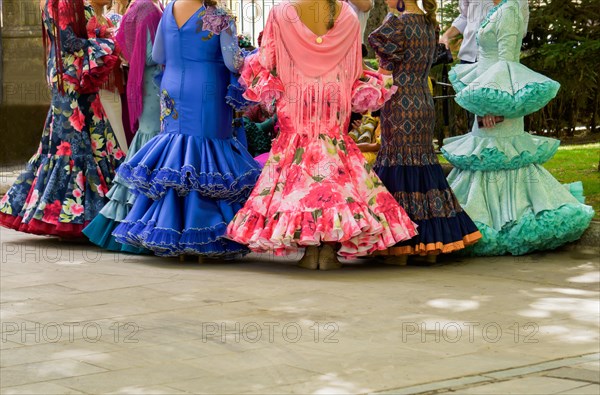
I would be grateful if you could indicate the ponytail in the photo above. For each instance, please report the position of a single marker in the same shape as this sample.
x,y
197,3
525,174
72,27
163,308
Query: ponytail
x,y
430,7
331,4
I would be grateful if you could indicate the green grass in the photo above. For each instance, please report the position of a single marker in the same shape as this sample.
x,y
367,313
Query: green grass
x,y
576,163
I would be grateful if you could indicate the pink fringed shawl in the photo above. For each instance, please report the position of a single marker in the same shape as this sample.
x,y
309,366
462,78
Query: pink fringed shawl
x,y
317,72
143,16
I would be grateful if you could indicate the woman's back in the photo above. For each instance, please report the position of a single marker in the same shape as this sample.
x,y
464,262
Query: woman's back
x,y
418,39
317,71
195,80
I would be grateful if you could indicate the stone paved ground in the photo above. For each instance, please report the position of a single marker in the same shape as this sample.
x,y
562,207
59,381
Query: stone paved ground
x,y
78,320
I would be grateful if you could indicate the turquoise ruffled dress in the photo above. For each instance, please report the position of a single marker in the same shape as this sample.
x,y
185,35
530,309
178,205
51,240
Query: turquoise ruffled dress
x,y
498,177
120,196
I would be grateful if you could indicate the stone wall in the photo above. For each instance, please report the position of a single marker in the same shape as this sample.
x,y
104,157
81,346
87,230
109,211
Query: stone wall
x,y
25,96
23,81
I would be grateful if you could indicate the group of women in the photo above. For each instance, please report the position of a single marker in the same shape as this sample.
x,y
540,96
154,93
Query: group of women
x,y
188,186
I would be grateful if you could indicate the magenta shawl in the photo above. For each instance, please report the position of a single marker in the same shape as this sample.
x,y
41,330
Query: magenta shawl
x,y
143,16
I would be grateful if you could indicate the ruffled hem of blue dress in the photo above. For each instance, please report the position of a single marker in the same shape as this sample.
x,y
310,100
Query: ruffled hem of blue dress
x,y
546,230
506,88
473,152
207,242
217,168
99,232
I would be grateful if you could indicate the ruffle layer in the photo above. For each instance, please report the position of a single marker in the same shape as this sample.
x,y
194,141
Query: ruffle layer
x,y
139,140
234,96
99,232
414,179
357,229
476,152
217,168
260,84
120,201
546,230
370,92
93,65
38,227
506,88
63,193
438,236
164,227
424,193
501,199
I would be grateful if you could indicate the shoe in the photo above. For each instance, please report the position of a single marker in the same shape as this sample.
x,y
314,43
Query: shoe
x,y
397,260
424,260
328,259
310,260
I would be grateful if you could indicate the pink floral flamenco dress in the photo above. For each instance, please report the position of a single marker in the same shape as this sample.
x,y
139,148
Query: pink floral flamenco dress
x,y
316,186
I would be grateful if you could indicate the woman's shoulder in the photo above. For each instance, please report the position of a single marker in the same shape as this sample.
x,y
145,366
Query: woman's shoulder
x,y
506,7
347,11
169,7
393,20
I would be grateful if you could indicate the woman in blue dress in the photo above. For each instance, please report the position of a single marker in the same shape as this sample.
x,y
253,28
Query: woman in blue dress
x,y
136,36
498,177
195,175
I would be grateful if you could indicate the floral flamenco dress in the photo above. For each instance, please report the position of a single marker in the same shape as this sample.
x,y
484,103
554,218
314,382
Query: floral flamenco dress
x,y
136,37
498,177
316,186
65,182
192,177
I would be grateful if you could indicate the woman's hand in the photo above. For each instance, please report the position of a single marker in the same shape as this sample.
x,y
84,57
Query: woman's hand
x,y
489,121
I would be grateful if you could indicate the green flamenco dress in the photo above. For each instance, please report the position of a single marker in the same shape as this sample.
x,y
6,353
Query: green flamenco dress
x,y
498,177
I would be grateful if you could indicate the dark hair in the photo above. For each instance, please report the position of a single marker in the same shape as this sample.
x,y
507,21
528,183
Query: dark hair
x,y
210,3
331,4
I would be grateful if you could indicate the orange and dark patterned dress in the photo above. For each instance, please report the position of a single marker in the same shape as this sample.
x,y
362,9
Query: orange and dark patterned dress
x,y
407,163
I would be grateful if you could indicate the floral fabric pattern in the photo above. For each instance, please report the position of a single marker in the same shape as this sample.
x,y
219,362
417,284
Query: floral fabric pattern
x,y
316,186
214,20
167,106
65,182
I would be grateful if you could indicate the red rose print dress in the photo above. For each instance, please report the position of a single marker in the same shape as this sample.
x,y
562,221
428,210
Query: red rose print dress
x,y
316,186
64,184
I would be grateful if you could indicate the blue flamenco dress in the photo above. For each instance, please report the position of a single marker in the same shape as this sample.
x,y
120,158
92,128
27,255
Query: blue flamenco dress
x,y
194,176
498,176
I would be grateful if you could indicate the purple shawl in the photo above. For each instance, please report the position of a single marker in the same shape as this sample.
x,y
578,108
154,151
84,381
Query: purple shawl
x,y
142,16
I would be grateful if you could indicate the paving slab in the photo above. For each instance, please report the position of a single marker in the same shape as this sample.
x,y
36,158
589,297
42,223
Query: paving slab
x,y
82,320
592,376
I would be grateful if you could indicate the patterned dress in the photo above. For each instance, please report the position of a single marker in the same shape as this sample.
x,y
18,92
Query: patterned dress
x,y
316,186
65,182
407,163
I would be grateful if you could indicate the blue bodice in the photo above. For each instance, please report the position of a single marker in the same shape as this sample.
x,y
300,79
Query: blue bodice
x,y
196,76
